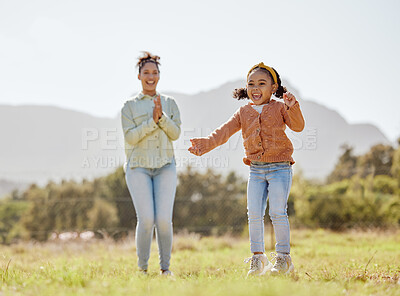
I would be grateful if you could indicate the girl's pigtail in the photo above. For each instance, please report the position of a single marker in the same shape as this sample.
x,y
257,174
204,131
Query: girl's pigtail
x,y
240,93
281,89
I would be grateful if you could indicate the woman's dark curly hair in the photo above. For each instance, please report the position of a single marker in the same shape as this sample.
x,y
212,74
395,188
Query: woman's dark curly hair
x,y
241,93
147,58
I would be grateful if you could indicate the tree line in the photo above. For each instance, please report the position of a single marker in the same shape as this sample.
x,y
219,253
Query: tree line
x,y
361,191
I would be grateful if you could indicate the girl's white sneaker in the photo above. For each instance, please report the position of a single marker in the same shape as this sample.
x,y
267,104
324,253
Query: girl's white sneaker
x,y
259,264
166,273
283,264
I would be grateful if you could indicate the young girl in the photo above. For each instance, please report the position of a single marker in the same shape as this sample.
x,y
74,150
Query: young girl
x,y
269,154
150,122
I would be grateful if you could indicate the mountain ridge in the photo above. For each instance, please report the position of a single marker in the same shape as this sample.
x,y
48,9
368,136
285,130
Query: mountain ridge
x,y
45,142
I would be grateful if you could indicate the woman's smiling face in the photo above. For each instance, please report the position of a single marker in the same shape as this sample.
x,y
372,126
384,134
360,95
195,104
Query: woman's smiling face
x,y
260,87
149,76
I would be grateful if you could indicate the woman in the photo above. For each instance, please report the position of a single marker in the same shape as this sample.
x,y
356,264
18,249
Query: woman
x,y
150,122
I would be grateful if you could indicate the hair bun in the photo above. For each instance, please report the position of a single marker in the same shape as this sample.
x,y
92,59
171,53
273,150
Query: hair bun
x,y
147,57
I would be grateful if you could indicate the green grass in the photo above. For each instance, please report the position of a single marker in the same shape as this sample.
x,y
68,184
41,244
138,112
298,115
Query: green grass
x,y
351,263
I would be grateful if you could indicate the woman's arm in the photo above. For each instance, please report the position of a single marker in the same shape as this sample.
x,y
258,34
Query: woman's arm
x,y
218,137
133,133
171,126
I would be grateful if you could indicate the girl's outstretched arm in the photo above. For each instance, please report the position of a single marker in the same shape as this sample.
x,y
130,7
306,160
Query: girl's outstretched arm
x,y
218,137
199,146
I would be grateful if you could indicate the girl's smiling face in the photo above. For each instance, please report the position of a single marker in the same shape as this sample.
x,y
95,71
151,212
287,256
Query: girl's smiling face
x,y
149,76
260,87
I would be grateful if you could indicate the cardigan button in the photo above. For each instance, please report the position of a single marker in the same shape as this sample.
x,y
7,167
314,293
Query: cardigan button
x,y
258,157
259,143
258,130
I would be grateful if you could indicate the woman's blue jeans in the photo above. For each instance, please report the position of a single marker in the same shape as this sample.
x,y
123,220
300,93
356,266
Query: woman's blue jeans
x,y
272,181
153,195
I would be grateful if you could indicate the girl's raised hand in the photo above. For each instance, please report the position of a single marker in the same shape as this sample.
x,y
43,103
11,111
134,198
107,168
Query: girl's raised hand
x,y
289,99
198,146
157,111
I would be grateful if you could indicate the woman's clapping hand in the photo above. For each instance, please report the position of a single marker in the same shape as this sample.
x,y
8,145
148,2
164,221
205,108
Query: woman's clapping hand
x,y
157,111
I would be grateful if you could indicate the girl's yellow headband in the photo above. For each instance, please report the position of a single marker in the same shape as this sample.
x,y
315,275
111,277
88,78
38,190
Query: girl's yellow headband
x,y
270,70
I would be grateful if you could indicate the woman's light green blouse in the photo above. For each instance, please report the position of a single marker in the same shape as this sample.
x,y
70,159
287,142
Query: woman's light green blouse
x,y
148,144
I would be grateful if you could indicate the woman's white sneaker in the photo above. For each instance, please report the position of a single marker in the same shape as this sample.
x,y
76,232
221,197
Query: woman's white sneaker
x,y
259,264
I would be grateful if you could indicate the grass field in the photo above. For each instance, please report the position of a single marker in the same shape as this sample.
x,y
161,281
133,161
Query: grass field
x,y
351,263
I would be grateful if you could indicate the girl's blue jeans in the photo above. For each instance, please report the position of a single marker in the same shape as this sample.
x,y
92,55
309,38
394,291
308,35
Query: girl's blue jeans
x,y
272,181
153,195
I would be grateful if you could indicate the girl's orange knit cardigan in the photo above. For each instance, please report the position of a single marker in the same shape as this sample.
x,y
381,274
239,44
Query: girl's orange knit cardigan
x,y
264,137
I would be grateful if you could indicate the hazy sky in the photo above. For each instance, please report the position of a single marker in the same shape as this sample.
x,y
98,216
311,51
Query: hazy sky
x,y
81,54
